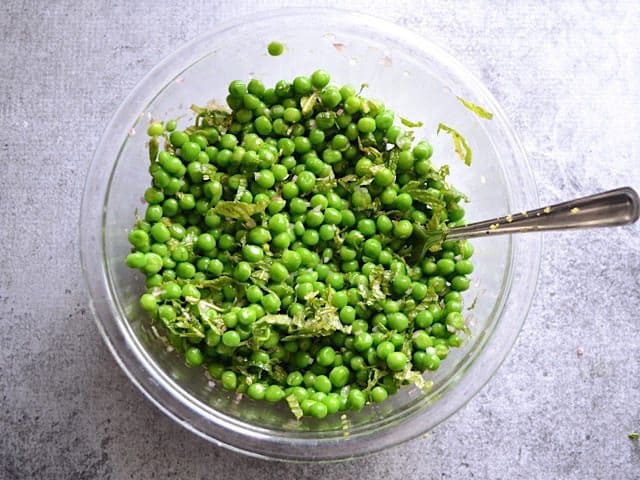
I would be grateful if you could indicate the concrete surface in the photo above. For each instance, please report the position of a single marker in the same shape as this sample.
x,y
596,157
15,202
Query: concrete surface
x,y
567,74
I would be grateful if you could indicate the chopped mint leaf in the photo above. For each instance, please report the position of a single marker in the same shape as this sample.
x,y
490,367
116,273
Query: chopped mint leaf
x,y
185,325
212,117
319,319
410,124
308,103
294,405
379,281
325,185
281,320
408,376
394,156
460,145
217,284
369,151
477,109
153,149
239,210
418,192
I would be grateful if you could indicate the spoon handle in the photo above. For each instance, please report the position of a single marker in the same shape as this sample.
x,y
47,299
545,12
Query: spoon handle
x,y
620,206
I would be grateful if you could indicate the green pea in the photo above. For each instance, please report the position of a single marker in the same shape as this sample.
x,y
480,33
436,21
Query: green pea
x,y
367,227
332,402
139,238
190,293
242,272
384,349
326,356
274,393
229,380
432,361
356,399
316,136
422,150
215,267
403,229
384,177
302,85
396,361
271,303
252,253
306,181
347,315
353,104
206,242
231,338
148,302
372,248
421,340
446,266
401,283
452,306
363,341
384,120
460,283
366,125
136,260
379,394
318,410
397,321
178,138
254,294
348,218
194,357
212,338
403,202
322,384
464,267
424,319
152,263
256,391
185,270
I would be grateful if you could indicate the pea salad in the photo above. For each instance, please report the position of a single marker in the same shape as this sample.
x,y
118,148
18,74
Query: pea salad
x,y
277,239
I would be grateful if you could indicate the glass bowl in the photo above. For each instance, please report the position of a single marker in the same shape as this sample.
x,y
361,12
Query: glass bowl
x,y
418,81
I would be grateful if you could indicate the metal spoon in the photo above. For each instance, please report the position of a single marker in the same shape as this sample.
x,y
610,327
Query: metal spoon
x,y
620,206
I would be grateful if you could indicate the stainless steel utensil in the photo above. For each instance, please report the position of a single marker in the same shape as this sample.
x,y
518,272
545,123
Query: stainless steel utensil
x,y
620,206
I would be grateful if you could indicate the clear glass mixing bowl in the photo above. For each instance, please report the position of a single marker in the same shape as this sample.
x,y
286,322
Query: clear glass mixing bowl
x,y
420,82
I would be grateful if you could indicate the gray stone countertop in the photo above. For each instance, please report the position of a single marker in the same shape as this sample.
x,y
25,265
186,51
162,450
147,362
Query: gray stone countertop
x,y
561,406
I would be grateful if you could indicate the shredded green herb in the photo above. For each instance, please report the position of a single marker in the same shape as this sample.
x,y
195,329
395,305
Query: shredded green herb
x,y
294,405
410,124
153,149
477,109
239,210
419,192
308,103
212,116
459,143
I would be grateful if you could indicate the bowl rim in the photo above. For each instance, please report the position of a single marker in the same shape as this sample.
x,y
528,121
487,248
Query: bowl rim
x,y
124,346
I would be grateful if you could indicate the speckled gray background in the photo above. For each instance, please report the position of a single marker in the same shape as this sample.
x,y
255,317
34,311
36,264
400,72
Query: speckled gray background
x,y
567,74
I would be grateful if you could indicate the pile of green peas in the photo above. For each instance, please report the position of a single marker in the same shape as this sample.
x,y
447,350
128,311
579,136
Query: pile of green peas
x,y
275,246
